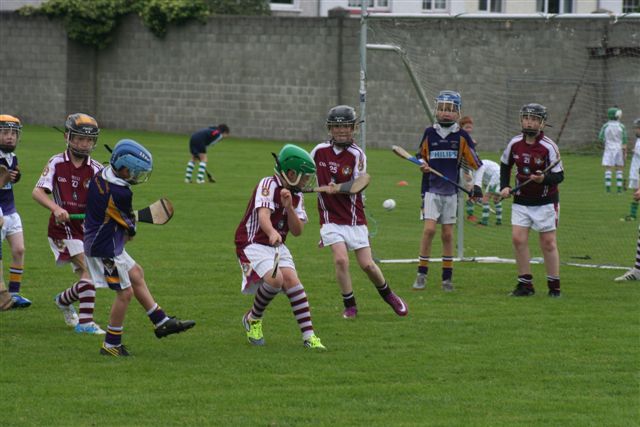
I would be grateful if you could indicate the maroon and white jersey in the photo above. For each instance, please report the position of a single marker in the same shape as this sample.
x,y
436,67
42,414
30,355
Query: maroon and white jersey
x,y
334,164
267,195
528,158
69,186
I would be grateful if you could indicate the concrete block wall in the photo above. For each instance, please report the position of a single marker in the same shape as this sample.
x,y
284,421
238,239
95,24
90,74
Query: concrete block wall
x,y
276,77
33,69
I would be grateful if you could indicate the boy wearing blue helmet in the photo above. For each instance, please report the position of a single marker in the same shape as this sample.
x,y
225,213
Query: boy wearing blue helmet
x,y
109,224
445,148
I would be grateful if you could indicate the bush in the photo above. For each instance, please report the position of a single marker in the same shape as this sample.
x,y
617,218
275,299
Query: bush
x,y
93,23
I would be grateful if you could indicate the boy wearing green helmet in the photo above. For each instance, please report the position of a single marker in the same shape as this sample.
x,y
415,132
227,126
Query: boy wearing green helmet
x,y
275,209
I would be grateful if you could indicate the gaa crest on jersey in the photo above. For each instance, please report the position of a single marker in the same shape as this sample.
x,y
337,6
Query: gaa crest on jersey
x,y
346,171
265,191
45,171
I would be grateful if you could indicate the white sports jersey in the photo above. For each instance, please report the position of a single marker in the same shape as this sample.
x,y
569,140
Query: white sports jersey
x,y
488,173
636,150
613,134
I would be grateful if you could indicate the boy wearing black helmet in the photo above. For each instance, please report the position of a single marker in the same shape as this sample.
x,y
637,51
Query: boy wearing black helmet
x,y
342,217
62,189
536,204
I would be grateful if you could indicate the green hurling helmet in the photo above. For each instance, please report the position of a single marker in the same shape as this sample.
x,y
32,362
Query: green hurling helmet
x,y
614,113
294,158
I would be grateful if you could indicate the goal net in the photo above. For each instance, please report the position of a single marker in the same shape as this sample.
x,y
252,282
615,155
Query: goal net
x,y
576,67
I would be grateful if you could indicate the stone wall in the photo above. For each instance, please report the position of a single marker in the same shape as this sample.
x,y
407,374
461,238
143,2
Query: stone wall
x,y
276,77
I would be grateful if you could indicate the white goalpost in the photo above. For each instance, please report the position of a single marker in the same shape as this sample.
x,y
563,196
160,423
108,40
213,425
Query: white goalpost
x,y
592,80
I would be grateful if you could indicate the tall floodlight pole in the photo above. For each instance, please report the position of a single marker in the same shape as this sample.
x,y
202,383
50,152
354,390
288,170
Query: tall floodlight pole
x,y
363,74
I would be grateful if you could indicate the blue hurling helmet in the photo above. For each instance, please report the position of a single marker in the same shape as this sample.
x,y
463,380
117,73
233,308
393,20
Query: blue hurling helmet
x,y
449,97
129,154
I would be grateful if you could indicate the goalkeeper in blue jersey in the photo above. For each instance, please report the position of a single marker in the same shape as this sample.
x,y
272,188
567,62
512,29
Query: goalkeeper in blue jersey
x,y
198,145
444,148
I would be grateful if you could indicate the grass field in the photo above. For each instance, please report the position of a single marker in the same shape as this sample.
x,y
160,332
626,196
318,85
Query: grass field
x,y
474,357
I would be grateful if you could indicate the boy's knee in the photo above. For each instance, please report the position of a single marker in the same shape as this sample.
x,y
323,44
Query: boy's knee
x,y
341,263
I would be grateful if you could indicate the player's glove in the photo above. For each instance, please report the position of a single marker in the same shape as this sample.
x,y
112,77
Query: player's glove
x,y
477,192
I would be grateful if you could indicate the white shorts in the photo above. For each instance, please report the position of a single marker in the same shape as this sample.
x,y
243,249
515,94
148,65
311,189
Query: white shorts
x,y
493,186
354,236
634,179
439,208
111,272
256,260
612,158
12,225
64,249
540,218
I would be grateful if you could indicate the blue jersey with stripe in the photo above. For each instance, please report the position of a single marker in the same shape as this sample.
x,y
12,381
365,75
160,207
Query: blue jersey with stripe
x,y
446,150
7,202
109,215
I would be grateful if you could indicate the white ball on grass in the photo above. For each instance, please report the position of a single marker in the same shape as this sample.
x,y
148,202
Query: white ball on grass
x,y
389,204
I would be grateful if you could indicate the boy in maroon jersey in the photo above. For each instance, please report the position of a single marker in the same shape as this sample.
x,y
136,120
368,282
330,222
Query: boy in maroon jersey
x,y
275,209
342,217
535,205
66,178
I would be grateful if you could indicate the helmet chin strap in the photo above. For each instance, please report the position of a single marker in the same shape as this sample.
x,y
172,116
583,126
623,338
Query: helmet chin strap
x,y
530,132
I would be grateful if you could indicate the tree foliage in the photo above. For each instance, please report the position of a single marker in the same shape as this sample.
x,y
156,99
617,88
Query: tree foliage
x,y
94,22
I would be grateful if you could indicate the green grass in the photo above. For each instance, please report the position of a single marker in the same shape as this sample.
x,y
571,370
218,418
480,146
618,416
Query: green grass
x,y
474,357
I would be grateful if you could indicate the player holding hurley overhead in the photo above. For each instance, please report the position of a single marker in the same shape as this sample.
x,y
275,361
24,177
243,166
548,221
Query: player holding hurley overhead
x,y
536,204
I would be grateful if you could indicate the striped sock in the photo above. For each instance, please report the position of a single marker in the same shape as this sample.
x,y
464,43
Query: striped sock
x,y
634,209
637,266
301,310
157,315
553,282
264,295
485,213
189,172
15,278
423,265
607,180
498,206
349,300
469,206
619,179
447,267
87,296
526,280
114,336
202,167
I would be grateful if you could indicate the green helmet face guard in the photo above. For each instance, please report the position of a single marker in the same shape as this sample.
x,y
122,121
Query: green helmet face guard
x,y
294,158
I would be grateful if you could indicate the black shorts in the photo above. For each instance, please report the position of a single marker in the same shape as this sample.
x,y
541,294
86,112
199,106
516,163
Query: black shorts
x,y
197,148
